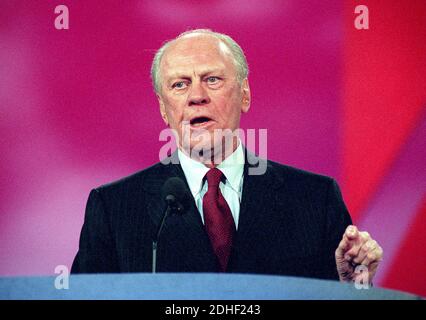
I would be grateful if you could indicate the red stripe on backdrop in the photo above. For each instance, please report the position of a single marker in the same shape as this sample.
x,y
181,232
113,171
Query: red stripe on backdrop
x,y
385,92
408,267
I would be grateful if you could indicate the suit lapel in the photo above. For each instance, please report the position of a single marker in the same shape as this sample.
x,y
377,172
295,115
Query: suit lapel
x,y
183,235
258,190
153,185
192,219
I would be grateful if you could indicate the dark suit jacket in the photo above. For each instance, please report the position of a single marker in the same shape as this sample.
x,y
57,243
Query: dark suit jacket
x,y
291,222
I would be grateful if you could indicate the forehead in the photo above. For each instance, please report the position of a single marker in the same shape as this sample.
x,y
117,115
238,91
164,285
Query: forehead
x,y
196,52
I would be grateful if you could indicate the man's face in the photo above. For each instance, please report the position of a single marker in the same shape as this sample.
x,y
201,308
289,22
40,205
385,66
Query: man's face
x,y
200,92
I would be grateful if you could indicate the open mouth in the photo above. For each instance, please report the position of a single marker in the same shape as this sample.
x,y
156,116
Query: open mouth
x,y
200,121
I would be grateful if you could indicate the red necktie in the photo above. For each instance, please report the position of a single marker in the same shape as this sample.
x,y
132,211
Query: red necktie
x,y
218,218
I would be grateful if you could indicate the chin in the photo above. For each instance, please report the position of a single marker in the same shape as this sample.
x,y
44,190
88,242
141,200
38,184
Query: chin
x,y
197,146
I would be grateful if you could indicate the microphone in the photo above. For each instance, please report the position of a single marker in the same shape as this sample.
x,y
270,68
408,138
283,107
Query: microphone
x,y
178,199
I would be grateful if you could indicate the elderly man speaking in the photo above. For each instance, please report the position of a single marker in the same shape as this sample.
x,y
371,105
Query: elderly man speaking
x,y
285,221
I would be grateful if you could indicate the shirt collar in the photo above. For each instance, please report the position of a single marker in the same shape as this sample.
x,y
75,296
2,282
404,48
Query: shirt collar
x,y
232,167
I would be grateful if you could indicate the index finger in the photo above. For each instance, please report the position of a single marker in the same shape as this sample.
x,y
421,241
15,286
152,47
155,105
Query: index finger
x,y
351,232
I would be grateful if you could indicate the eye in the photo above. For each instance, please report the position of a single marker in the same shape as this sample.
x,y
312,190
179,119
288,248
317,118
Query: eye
x,y
179,85
213,80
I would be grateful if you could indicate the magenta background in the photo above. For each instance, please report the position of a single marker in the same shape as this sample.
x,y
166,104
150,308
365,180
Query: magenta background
x,y
78,110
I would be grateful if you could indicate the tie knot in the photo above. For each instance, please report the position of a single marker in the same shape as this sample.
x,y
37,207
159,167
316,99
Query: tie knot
x,y
213,177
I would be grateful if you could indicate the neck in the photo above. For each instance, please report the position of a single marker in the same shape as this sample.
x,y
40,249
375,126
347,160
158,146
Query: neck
x,y
211,158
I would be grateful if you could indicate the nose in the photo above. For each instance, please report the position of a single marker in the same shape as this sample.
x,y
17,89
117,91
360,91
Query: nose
x,y
198,95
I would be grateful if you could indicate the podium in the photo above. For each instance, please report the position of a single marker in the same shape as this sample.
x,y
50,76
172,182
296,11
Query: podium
x,y
189,286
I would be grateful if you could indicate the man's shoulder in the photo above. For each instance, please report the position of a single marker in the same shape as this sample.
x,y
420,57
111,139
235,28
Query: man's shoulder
x,y
138,179
297,177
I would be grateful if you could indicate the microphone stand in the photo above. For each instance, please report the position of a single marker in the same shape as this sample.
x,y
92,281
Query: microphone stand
x,y
170,199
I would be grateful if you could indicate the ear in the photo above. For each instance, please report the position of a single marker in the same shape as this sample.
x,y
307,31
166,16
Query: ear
x,y
246,97
162,110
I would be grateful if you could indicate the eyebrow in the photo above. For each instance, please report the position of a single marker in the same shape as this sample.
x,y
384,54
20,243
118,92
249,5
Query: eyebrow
x,y
182,75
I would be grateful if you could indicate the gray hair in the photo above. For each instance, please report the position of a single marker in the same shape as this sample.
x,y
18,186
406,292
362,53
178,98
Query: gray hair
x,y
238,54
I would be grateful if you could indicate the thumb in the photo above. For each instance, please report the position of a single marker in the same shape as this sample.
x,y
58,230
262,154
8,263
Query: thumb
x,y
351,233
343,247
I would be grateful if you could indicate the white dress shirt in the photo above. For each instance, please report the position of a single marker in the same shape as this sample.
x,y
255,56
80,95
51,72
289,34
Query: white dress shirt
x,y
232,168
